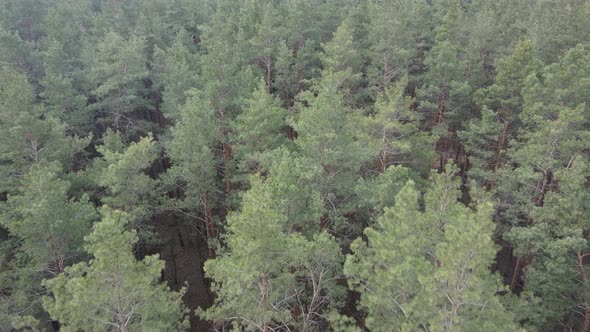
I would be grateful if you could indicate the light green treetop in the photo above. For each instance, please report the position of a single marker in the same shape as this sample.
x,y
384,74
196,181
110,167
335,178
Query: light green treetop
x,y
123,172
114,290
429,268
271,276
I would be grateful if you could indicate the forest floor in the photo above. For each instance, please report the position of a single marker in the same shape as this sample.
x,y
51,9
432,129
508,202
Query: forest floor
x,y
182,249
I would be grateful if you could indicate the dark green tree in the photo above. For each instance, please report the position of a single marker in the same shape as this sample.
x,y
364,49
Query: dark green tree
x,y
116,73
28,134
194,163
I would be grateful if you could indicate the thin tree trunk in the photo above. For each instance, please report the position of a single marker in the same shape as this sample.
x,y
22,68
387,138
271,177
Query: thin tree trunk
x,y
57,262
440,115
122,325
268,75
264,299
584,277
226,156
586,324
414,105
546,182
323,221
385,70
58,266
384,156
502,145
208,224
515,274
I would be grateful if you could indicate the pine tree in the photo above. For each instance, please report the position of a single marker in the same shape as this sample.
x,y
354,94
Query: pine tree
x,y
399,34
549,155
227,78
283,278
29,135
487,139
445,98
25,17
62,90
114,290
50,225
289,182
194,162
395,128
332,138
557,27
117,68
262,126
556,279
267,41
178,73
429,268
122,171
46,228
447,93
20,55
341,55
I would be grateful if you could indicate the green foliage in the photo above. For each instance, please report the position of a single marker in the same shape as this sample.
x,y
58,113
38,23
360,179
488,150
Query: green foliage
x,y
261,126
374,194
61,90
49,224
47,229
557,27
28,135
395,128
123,172
561,84
19,54
487,138
270,271
289,182
547,205
557,277
117,68
341,54
446,95
332,138
114,290
178,73
398,35
192,150
338,107
429,268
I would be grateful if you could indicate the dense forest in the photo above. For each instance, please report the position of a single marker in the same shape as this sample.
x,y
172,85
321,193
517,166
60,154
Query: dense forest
x,y
294,165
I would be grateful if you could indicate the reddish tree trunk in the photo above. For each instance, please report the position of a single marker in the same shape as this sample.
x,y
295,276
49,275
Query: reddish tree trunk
x,y
586,324
323,221
515,275
57,262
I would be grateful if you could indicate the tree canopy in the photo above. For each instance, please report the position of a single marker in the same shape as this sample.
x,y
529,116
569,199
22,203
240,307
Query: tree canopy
x,y
301,165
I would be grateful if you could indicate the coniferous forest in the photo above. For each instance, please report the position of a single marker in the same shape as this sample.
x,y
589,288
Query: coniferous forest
x,y
294,165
